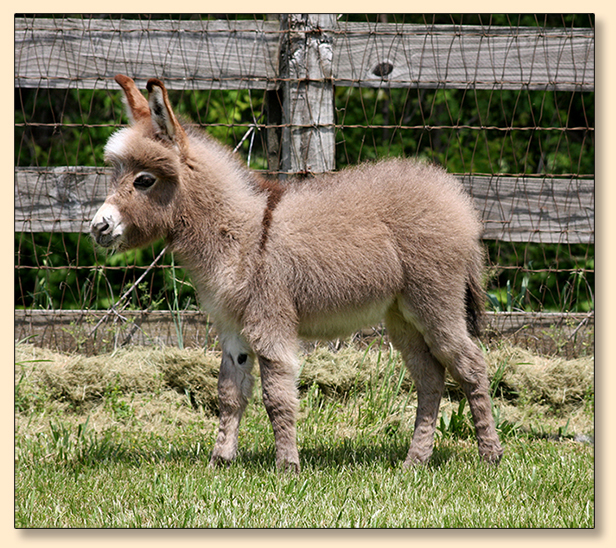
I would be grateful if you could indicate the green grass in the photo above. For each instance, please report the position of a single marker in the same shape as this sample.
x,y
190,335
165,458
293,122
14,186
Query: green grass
x,y
137,455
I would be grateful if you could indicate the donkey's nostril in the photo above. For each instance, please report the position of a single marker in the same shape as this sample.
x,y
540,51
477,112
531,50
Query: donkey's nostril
x,y
100,227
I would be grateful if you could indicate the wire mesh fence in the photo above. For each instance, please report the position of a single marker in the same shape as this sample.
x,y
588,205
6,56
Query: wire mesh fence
x,y
505,102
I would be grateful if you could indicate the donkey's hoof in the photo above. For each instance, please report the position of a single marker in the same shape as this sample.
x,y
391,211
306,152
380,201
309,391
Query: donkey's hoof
x,y
409,464
492,455
218,461
288,467
416,458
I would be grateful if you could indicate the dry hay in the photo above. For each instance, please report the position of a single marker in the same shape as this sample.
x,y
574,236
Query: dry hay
x,y
532,387
81,379
553,381
339,373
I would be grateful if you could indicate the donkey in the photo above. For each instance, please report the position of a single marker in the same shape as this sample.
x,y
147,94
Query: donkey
x,y
395,241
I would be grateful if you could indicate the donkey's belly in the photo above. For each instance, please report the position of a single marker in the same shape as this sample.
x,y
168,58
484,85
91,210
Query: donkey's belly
x,y
342,323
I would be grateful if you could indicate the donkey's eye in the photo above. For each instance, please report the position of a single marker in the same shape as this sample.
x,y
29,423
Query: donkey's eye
x,y
144,180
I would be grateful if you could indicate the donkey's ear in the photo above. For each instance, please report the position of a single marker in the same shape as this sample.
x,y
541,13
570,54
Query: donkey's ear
x,y
137,106
163,119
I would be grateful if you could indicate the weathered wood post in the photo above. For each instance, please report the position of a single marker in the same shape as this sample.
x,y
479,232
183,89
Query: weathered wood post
x,y
306,94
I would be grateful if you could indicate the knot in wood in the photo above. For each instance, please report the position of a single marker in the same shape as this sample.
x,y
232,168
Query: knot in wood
x,y
383,69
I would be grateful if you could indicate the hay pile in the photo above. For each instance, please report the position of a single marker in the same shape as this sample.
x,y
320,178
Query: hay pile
x,y
349,369
552,381
80,380
529,385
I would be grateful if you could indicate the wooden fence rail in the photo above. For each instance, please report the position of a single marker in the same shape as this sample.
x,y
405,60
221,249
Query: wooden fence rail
x,y
515,209
87,53
72,330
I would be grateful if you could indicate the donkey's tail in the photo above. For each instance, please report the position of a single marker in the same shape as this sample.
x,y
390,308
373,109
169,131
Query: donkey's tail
x,y
475,296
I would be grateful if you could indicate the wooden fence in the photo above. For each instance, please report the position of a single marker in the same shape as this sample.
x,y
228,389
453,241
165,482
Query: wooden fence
x,y
298,59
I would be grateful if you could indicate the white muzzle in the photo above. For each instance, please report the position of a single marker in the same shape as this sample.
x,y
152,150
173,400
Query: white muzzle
x,y
106,227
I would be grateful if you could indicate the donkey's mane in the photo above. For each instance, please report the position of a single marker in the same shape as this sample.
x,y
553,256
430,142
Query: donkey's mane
x,y
252,180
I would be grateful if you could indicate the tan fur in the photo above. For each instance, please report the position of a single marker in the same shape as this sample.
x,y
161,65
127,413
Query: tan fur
x,y
319,258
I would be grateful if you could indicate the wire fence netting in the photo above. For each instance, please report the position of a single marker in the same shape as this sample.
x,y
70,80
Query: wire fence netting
x,y
505,102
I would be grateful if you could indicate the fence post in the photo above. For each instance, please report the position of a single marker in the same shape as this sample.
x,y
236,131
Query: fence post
x,y
307,94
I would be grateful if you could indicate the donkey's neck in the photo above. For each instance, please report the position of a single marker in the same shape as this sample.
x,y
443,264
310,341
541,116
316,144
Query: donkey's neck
x,y
219,219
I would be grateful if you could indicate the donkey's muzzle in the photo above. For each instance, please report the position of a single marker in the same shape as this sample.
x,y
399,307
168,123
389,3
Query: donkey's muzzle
x,y
106,227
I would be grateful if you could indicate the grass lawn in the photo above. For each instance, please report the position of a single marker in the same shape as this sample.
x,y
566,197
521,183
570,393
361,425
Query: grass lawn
x,y
130,455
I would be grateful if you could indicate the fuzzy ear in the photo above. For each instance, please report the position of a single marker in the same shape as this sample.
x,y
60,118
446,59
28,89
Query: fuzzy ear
x,y
137,106
163,119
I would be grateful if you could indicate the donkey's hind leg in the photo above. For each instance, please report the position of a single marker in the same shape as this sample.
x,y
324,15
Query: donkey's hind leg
x,y
464,360
429,378
235,384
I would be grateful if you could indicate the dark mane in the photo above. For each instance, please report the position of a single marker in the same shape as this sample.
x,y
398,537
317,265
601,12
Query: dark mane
x,y
274,192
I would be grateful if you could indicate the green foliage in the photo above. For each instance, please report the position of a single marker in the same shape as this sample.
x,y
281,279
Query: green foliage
x,y
456,426
52,278
548,277
28,397
513,302
382,401
583,20
116,404
468,131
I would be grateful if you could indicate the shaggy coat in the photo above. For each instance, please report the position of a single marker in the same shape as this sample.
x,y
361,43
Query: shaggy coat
x,y
397,240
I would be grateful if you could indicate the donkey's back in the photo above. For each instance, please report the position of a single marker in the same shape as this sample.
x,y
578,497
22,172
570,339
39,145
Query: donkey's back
x,y
351,244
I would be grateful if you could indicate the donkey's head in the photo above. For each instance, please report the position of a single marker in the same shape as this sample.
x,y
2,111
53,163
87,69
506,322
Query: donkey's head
x,y
148,158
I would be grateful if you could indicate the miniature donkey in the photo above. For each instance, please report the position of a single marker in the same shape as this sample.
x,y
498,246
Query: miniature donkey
x,y
395,240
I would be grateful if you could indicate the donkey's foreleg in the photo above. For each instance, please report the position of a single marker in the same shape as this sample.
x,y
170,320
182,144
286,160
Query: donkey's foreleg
x,y
278,378
235,384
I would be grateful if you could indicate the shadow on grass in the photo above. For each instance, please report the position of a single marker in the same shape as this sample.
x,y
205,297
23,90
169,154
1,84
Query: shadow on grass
x,y
93,451
348,453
